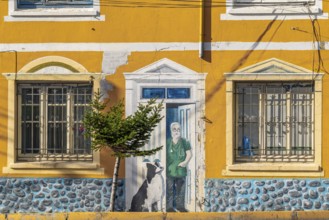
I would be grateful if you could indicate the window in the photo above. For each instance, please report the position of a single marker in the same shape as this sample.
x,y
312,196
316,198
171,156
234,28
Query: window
x,y
54,10
45,104
52,3
49,118
178,93
272,9
274,122
169,93
148,93
270,4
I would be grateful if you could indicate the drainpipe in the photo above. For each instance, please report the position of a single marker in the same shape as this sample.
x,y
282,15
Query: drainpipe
x,y
201,28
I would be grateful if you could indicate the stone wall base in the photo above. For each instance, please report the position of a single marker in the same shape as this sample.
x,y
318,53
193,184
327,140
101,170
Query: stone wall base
x,y
50,195
236,195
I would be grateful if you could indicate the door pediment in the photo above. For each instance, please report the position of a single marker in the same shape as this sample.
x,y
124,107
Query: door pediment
x,y
164,70
165,65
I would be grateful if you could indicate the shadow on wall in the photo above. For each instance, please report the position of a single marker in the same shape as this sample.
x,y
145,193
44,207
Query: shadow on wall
x,y
244,58
207,29
111,95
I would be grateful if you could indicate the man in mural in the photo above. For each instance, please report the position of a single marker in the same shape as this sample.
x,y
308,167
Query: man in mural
x,y
178,156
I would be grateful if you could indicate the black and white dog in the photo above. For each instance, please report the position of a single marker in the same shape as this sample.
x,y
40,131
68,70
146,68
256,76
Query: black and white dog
x,y
150,194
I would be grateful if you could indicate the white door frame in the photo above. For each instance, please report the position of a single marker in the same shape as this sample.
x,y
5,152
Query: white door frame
x,y
188,124
175,75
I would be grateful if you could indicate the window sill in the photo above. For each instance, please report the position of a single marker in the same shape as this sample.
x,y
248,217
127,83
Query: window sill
x,y
54,168
273,169
273,13
55,14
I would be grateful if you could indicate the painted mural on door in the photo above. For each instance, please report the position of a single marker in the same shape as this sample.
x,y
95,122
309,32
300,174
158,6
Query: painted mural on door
x,y
180,156
166,181
170,190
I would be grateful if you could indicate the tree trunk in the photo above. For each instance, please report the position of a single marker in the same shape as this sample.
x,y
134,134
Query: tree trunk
x,y
114,183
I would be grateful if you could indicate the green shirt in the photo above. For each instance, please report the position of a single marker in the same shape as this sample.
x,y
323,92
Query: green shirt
x,y
176,153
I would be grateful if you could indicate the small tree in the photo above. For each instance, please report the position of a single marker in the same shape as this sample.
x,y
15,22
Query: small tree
x,y
125,136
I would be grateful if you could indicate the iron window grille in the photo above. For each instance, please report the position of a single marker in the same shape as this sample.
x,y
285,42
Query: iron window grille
x,y
274,122
50,122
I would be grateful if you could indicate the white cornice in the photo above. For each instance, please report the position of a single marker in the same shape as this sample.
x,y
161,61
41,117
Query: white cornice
x,y
162,46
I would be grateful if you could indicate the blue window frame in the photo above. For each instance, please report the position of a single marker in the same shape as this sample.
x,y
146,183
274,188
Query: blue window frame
x,y
169,93
149,93
178,93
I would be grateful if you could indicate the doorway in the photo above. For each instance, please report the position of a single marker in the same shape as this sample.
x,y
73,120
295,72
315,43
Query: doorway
x,y
179,187
183,93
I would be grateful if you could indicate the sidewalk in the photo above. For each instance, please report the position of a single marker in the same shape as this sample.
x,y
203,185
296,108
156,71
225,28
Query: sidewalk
x,y
294,215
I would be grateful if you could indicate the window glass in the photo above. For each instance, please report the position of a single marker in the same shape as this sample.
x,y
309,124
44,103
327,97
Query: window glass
x,y
30,124
29,2
275,2
274,121
51,122
148,93
82,96
178,93
51,3
169,93
248,120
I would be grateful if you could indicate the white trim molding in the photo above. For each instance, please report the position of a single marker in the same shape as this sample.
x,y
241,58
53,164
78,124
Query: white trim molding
x,y
162,46
41,65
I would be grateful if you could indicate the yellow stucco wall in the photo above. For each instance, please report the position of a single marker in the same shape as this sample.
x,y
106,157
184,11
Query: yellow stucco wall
x,y
166,21
221,62
161,21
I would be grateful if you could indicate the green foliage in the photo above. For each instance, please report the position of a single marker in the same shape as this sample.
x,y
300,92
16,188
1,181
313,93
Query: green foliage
x,y
124,135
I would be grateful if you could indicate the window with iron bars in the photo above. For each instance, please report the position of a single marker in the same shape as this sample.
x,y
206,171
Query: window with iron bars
x,y
274,122
50,122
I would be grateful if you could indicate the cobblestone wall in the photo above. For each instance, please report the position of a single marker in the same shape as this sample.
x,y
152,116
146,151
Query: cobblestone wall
x,y
58,195
266,195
